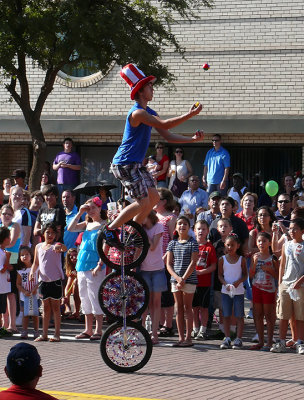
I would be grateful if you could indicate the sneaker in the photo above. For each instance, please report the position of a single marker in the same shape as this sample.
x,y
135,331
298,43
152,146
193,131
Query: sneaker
x,y
194,333
202,336
36,334
300,348
24,335
226,344
237,344
5,333
250,314
255,338
278,347
111,236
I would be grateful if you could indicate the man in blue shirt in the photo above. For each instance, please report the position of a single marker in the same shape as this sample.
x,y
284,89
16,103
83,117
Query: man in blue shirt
x,y
214,208
127,162
193,198
216,167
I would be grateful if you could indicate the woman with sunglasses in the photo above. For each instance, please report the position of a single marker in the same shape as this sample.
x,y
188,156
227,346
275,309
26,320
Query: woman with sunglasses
x,y
163,161
179,168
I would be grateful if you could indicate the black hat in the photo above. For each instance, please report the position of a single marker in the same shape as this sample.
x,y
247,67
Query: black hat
x,y
19,173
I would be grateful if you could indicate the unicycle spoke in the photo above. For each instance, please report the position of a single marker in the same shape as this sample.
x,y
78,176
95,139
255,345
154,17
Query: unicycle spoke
x,y
136,246
112,295
126,349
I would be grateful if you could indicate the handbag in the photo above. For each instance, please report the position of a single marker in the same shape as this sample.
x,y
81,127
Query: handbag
x,y
178,187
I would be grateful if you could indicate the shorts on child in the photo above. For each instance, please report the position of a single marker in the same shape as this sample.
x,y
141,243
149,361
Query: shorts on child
x,y
236,302
201,297
135,178
156,280
217,299
262,297
3,297
187,288
286,307
50,290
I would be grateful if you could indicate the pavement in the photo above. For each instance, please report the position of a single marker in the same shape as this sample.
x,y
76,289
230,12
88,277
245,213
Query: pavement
x,y
75,370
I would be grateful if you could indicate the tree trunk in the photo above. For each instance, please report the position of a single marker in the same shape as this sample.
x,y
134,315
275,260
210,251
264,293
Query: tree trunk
x,y
39,155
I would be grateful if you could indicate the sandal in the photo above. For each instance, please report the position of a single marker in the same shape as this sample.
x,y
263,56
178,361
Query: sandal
x,y
166,332
83,335
291,344
41,339
187,343
95,336
54,339
257,346
154,340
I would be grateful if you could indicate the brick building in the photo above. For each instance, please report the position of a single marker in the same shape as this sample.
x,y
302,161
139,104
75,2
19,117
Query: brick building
x,y
252,95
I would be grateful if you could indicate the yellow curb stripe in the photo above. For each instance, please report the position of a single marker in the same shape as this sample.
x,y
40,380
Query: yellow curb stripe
x,y
76,396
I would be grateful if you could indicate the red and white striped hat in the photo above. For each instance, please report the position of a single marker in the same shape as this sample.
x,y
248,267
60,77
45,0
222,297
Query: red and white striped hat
x,y
135,78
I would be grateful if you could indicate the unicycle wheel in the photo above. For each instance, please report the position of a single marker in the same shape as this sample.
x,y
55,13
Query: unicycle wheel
x,y
136,243
126,350
111,296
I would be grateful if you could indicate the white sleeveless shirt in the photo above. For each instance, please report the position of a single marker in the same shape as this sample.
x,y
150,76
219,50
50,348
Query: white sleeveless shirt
x,y
232,273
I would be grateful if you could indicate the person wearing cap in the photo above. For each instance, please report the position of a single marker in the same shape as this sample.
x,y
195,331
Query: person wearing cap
x,y
23,369
127,162
216,167
19,175
238,189
214,209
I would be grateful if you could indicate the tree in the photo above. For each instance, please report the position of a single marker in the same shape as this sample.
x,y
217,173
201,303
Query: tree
x,y
52,34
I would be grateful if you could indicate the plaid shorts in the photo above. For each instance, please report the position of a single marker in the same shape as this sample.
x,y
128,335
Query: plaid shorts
x,y
135,178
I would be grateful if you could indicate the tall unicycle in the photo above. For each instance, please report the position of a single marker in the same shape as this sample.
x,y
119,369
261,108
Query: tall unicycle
x,y
126,346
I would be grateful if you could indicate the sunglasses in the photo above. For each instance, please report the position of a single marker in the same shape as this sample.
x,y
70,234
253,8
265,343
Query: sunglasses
x,y
215,140
159,147
283,201
179,151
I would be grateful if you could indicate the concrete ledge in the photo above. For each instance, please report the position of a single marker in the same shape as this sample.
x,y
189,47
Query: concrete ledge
x,y
114,125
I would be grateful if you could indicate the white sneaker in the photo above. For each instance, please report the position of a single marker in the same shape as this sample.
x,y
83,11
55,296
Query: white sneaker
x,y
237,344
255,338
226,344
279,347
194,333
300,348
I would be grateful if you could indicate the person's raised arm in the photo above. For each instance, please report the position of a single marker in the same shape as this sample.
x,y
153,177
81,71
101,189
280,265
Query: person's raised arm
x,y
143,117
75,225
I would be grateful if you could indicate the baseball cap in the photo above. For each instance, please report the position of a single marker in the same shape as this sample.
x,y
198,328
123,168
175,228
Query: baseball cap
x,y
19,173
215,194
22,363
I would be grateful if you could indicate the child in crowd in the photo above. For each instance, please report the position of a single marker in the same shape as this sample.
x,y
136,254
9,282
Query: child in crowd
x,y
5,284
182,256
224,227
153,270
71,286
28,291
205,266
232,272
48,259
291,289
264,271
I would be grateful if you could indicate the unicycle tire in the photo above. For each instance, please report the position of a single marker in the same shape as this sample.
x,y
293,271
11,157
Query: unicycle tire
x,y
129,357
136,295
136,245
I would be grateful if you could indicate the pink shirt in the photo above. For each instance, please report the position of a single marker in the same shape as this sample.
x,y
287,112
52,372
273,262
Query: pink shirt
x,y
154,260
50,267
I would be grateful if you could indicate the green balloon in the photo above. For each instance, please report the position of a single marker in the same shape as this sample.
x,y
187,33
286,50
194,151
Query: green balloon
x,y
272,188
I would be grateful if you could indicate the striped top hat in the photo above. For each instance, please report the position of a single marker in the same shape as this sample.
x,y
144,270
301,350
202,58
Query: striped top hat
x,y
135,78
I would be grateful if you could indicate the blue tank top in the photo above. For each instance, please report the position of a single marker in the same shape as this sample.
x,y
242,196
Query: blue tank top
x,y
15,249
135,141
88,257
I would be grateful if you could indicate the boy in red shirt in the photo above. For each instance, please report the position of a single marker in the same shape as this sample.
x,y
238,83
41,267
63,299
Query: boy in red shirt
x,y
206,265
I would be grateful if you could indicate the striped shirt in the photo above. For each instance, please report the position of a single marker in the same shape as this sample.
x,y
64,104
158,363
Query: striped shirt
x,y
182,253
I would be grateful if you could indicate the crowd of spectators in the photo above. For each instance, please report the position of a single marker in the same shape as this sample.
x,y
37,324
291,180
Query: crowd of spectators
x,y
46,225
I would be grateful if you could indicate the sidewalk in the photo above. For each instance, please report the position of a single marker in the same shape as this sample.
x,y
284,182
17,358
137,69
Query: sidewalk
x,y
201,372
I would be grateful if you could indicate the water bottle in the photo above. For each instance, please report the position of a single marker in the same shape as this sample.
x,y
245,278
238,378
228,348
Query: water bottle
x,y
148,323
